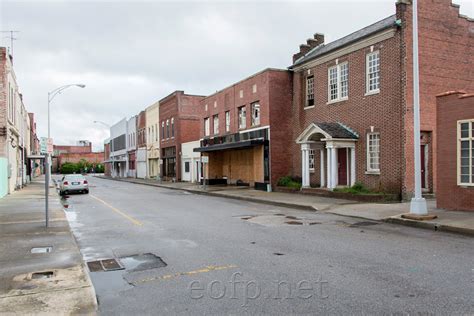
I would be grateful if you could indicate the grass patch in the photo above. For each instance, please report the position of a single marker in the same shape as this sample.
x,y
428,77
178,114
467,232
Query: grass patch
x,y
289,182
357,188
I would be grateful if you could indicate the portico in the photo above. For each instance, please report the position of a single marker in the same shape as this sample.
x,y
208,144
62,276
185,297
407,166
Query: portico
x,y
335,143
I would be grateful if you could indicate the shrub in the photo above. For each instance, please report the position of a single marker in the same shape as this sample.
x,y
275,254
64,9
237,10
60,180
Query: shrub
x,y
289,182
357,188
69,167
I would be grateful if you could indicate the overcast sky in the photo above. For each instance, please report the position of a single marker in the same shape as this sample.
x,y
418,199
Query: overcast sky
x,y
132,53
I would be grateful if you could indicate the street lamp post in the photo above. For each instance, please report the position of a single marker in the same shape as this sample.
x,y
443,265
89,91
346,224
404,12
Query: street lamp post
x,y
51,96
418,203
111,143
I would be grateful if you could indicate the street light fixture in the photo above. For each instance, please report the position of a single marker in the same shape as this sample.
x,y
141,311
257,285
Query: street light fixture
x,y
111,143
51,95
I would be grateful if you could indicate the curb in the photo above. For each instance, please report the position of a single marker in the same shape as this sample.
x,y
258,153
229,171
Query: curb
x,y
221,195
84,268
430,225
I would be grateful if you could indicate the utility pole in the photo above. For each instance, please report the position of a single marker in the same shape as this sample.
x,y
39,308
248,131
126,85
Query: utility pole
x,y
12,38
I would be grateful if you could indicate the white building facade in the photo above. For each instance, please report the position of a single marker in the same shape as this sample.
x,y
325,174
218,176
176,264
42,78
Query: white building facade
x,y
190,162
118,149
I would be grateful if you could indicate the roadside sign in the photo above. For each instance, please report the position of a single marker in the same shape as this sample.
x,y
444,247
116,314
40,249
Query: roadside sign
x,y
50,146
43,145
205,159
46,145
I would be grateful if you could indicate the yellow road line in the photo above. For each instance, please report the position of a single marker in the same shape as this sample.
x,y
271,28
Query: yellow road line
x,y
173,276
116,210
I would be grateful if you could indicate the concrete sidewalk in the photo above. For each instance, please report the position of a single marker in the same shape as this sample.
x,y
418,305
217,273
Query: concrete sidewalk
x,y
452,221
63,285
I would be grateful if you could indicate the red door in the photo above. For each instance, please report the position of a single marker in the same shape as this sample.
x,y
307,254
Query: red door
x,y
342,166
423,166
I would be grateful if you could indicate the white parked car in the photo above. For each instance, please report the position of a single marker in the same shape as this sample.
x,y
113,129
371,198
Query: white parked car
x,y
73,183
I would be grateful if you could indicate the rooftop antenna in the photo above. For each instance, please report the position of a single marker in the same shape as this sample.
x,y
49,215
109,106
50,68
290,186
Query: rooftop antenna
x,y
12,38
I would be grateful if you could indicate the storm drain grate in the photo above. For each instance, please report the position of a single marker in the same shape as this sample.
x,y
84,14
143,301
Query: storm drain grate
x,y
47,249
104,265
360,224
42,275
141,262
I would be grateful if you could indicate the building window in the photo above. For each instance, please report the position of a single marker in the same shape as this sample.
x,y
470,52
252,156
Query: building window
x,y
156,132
186,166
167,128
373,72
242,117
215,122
338,82
227,121
172,127
311,160
310,91
163,130
373,152
255,114
152,133
466,152
207,129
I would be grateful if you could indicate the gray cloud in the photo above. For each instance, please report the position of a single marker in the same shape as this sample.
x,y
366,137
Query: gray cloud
x,y
130,54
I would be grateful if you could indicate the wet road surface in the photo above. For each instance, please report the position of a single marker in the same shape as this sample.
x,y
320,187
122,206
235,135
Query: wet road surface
x,y
180,253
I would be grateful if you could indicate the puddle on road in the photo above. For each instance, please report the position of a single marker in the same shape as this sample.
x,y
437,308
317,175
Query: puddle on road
x,y
142,262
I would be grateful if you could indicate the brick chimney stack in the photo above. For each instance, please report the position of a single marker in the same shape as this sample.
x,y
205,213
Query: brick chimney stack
x,y
311,43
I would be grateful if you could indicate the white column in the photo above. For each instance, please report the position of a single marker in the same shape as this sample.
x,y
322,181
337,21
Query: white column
x,y
333,168
305,165
353,166
321,167
328,167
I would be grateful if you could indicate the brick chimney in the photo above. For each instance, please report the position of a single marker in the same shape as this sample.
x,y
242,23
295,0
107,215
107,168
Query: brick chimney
x,y
311,43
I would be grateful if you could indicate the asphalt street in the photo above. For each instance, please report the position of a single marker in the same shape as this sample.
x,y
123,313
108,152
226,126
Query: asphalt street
x,y
226,256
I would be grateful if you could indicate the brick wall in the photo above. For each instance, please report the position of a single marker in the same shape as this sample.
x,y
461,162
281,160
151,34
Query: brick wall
x,y
452,107
184,109
141,129
359,112
271,88
72,149
446,56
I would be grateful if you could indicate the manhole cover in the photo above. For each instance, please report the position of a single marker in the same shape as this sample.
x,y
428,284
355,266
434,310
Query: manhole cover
x,y
41,249
104,265
142,262
359,224
42,275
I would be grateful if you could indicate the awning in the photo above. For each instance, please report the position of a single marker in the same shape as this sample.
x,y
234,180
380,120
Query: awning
x,y
237,145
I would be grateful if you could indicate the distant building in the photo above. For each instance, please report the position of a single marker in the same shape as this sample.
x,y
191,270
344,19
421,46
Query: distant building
x,y
244,130
141,158
75,153
179,123
153,140
118,148
132,146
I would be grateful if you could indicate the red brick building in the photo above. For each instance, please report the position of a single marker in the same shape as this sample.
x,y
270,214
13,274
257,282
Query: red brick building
x,y
455,151
74,154
244,130
179,123
352,101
